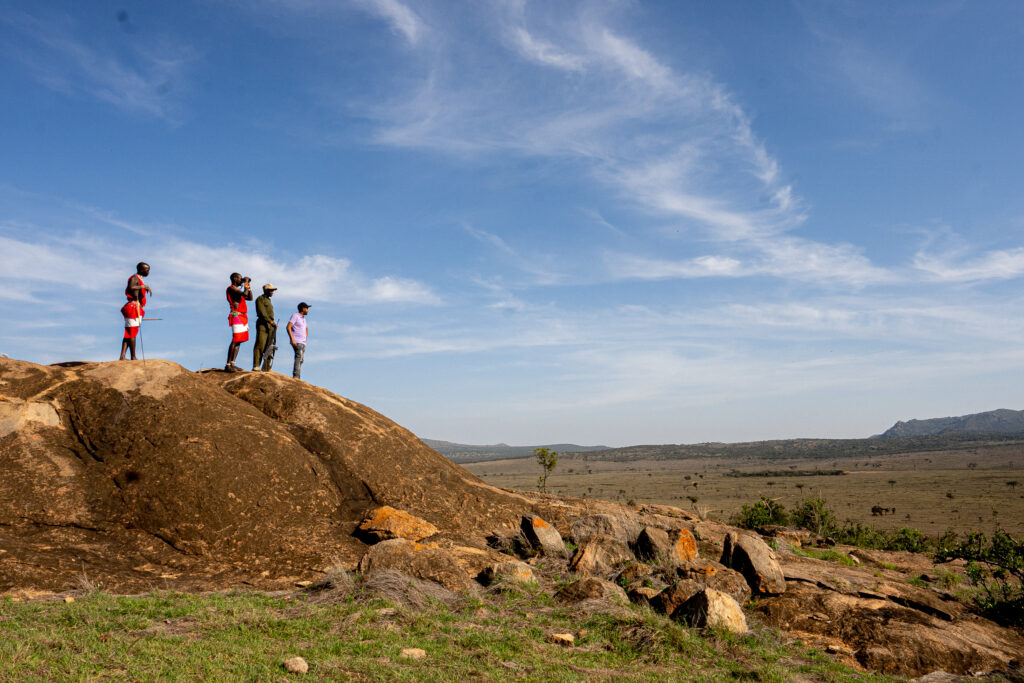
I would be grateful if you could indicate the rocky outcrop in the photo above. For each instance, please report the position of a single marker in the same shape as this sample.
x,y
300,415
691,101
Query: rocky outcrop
x,y
888,624
749,555
145,475
885,636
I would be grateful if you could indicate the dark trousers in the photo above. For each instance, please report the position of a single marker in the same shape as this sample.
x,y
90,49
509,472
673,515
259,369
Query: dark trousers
x,y
262,337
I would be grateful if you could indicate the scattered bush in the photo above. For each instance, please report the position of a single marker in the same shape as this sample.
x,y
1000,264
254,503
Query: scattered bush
x,y
764,512
815,515
996,566
908,539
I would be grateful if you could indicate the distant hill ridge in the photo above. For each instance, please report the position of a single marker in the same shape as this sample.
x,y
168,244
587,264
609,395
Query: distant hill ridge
x,y
463,453
1002,421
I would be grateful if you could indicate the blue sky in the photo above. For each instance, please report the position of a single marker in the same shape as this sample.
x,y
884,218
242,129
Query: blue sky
x,y
533,222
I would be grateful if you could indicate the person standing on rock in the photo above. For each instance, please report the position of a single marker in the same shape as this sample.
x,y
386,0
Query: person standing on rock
x,y
133,311
264,324
298,333
238,292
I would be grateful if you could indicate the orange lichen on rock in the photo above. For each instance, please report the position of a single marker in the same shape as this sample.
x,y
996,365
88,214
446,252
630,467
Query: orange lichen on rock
x,y
386,522
684,546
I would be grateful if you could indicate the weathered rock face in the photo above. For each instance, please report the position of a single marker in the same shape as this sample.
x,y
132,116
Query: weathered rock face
x,y
711,574
668,601
156,449
542,535
153,475
889,625
599,555
424,561
623,526
657,545
386,523
749,555
888,637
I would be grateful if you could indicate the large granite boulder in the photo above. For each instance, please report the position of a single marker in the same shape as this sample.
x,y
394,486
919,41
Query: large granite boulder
x,y
542,536
385,523
424,561
623,526
600,555
145,475
711,608
673,547
750,556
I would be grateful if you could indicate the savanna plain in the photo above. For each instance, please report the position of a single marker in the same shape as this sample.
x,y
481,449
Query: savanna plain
x,y
979,488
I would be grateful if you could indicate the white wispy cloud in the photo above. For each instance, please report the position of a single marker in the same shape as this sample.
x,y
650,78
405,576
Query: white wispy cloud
x,y
542,52
626,266
1000,264
634,62
780,256
149,78
669,143
86,261
399,16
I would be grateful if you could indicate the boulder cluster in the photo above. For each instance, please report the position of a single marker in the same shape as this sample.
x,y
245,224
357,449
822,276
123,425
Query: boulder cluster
x,y
613,559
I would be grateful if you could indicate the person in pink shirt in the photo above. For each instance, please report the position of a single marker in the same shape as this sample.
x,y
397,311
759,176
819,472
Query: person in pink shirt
x,y
298,333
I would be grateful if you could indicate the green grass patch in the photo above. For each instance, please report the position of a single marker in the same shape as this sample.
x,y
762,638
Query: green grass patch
x,y
826,555
247,636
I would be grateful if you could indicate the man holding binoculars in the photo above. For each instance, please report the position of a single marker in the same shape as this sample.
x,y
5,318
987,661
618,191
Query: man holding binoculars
x,y
238,292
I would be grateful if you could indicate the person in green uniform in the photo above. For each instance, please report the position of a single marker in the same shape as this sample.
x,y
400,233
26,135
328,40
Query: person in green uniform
x,y
264,324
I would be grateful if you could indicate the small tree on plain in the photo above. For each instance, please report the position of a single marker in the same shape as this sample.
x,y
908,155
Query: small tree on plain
x,y
547,459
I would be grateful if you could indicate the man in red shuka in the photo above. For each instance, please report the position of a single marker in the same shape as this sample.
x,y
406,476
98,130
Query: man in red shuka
x,y
238,292
133,311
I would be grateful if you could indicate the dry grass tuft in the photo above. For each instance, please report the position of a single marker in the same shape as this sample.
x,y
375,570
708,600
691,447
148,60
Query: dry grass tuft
x,y
406,590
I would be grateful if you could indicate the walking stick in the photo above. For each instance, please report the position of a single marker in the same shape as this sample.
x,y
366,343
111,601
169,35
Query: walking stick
x,y
142,347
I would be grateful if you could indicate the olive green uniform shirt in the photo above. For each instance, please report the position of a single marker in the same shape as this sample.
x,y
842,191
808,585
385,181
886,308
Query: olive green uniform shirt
x,y
264,310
